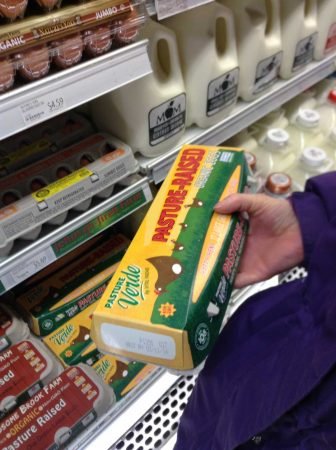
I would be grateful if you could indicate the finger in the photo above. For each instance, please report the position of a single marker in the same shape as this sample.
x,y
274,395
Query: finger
x,y
250,203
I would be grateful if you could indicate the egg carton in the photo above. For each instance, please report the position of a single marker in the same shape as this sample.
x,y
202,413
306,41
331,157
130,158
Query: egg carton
x,y
62,40
45,139
44,192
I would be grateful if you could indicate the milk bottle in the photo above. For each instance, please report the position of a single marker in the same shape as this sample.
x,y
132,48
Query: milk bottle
x,y
305,130
299,34
278,185
327,111
326,25
313,161
258,35
305,100
207,46
329,144
275,152
149,113
244,140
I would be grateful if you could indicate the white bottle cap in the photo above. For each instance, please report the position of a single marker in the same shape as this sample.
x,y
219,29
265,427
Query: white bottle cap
x,y
313,156
308,118
276,139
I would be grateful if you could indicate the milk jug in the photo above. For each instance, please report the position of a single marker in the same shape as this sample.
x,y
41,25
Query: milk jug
x,y
305,100
327,111
275,119
275,152
148,114
313,161
257,24
207,46
326,25
244,140
299,34
329,144
305,130
278,185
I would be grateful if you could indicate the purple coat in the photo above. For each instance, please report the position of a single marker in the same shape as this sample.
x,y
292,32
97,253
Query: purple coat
x,y
270,381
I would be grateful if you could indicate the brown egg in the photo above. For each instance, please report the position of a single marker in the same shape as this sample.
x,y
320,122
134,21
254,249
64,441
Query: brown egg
x,y
7,74
126,30
85,160
9,198
62,172
69,51
37,184
98,40
12,9
34,63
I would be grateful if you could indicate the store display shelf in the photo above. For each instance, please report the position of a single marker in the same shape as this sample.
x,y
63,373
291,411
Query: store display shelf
x,y
36,102
171,7
243,115
55,242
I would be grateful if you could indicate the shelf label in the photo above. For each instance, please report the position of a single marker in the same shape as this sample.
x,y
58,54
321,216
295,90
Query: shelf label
x,y
100,223
28,267
42,108
167,8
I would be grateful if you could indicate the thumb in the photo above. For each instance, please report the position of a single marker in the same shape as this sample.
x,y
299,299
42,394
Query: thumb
x,y
250,203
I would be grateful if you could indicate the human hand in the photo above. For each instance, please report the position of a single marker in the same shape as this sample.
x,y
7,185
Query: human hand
x,y
274,243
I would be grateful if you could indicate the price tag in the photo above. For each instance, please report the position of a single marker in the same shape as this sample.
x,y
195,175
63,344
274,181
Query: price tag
x,y
27,268
42,108
167,8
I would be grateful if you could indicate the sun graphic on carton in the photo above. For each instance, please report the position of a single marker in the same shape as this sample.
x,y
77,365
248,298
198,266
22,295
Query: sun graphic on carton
x,y
167,310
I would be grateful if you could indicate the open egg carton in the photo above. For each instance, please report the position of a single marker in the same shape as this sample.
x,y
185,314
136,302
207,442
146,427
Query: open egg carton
x,y
32,48
45,191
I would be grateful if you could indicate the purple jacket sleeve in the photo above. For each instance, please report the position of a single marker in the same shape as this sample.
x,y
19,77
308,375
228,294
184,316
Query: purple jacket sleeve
x,y
315,208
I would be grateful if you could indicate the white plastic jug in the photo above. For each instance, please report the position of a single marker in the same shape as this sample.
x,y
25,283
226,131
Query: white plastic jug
x,y
258,35
305,100
209,62
326,23
305,131
148,114
275,119
327,111
299,34
275,152
313,161
243,140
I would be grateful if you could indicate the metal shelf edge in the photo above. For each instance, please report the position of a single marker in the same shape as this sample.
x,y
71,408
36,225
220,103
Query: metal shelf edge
x,y
9,264
243,115
77,85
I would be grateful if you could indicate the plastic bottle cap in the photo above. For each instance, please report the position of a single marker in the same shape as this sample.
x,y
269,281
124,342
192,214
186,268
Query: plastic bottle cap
x,y
313,156
308,118
276,138
251,160
332,96
278,183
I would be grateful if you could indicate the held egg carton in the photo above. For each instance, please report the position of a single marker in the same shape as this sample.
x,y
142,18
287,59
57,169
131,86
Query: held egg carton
x,y
44,192
46,139
30,52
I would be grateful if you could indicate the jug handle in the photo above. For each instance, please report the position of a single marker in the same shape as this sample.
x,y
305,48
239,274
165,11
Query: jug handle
x,y
272,8
174,61
229,38
310,9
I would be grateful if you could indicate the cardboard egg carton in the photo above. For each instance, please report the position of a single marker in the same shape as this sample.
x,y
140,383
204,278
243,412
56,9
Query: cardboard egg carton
x,y
45,191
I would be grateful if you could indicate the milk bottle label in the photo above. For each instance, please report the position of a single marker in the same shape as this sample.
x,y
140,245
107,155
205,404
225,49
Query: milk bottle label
x,y
331,39
304,51
267,72
167,119
222,92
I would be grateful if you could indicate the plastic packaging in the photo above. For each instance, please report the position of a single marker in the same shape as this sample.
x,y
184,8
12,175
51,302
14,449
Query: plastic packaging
x,y
327,111
313,161
305,100
148,114
257,24
206,39
29,49
299,34
112,161
326,25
